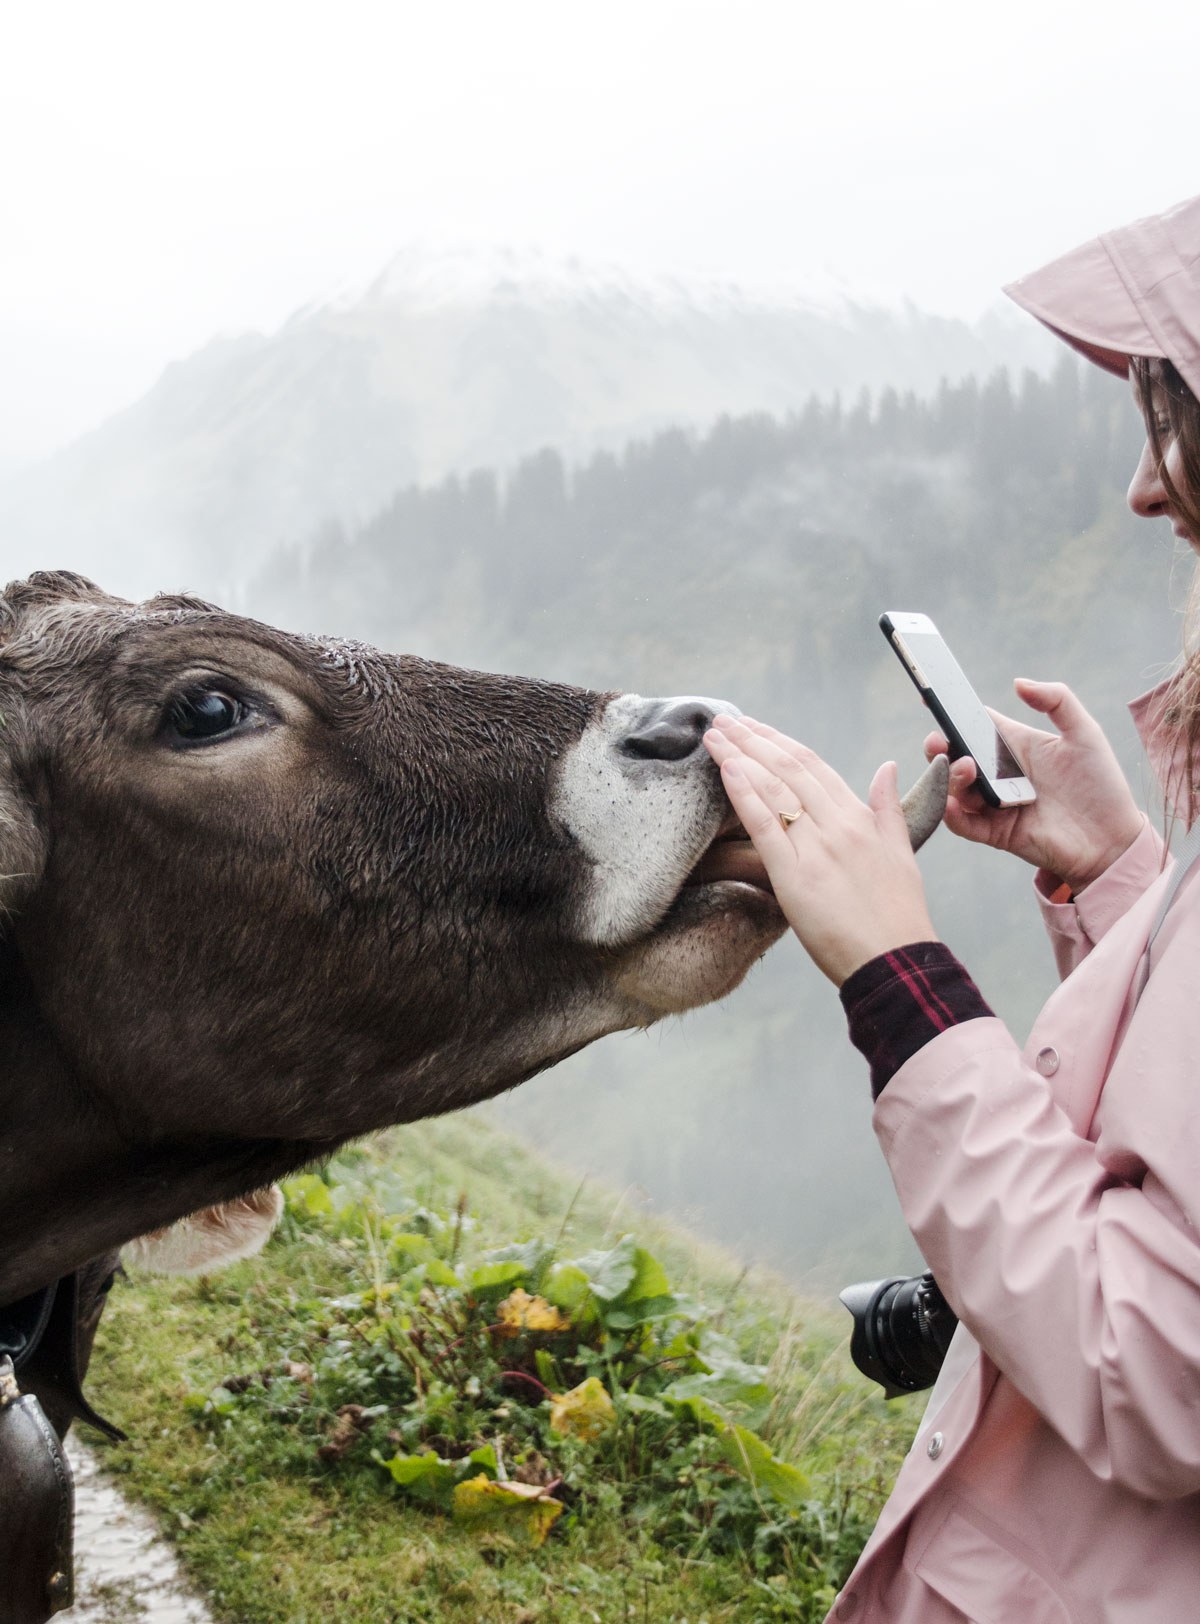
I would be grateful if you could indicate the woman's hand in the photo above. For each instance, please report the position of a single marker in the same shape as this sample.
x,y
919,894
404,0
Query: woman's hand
x,y
843,872
1085,815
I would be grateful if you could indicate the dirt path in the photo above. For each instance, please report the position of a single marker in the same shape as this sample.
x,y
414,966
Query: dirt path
x,y
125,1572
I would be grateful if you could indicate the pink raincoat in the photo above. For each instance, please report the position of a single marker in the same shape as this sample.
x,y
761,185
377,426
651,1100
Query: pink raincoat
x,y
1055,1192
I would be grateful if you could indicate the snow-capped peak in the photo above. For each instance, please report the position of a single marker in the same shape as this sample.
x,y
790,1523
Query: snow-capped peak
x,y
421,277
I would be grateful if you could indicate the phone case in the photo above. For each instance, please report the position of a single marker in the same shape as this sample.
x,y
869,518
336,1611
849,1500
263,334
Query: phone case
x,y
958,745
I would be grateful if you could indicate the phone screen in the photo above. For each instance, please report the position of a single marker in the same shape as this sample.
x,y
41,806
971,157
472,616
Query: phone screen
x,y
962,704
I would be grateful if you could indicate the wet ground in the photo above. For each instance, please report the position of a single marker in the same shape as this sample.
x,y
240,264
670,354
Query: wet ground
x,y
125,1572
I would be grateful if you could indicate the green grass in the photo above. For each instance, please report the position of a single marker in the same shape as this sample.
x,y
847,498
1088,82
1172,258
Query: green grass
x,y
658,1526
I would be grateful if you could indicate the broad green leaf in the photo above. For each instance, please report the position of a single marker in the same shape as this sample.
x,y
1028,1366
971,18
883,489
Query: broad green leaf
x,y
495,1280
534,1255
733,1383
428,1477
408,1249
624,1314
699,1409
610,1274
683,1344
441,1274
649,1279
646,1406
308,1194
748,1454
568,1287
509,1266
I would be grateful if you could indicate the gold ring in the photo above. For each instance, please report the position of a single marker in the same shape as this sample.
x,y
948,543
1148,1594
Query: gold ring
x,y
788,818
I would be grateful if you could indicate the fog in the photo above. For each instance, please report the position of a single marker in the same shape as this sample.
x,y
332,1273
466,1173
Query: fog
x,y
173,172
657,348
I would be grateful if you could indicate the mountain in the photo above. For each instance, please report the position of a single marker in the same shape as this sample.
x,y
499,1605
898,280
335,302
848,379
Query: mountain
x,y
446,363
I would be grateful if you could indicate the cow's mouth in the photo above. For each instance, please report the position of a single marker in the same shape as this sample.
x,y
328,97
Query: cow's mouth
x,y
723,918
730,857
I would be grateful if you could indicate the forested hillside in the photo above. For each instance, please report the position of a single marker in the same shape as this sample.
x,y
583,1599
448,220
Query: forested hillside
x,y
441,365
752,562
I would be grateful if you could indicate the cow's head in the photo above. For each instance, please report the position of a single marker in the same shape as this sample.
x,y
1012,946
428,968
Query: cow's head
x,y
266,889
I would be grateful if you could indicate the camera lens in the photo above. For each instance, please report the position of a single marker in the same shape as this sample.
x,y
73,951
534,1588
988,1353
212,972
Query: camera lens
x,y
902,1328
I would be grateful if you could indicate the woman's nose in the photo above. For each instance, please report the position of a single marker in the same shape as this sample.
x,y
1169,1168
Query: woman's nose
x,y
1147,495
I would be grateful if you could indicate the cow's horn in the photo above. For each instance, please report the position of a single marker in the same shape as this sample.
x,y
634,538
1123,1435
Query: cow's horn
x,y
925,803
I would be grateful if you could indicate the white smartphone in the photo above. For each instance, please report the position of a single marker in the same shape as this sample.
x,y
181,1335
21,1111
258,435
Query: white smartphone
x,y
957,708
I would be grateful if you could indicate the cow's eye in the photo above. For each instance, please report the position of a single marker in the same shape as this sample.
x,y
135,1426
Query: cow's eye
x,y
204,715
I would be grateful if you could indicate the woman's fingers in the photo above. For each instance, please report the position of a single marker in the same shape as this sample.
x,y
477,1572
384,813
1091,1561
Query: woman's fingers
x,y
791,783
797,767
746,784
962,772
830,781
1056,702
971,817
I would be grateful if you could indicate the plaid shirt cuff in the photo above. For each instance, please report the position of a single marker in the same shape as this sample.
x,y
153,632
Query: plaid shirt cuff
x,y
897,1002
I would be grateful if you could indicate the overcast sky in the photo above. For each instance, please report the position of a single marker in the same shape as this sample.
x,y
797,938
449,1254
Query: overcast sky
x,y
172,169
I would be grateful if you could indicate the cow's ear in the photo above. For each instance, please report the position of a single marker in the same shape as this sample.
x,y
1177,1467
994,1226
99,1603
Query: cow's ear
x,y
210,1239
22,848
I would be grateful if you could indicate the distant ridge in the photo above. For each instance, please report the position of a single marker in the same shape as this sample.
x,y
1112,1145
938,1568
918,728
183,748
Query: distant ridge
x,y
447,361
425,276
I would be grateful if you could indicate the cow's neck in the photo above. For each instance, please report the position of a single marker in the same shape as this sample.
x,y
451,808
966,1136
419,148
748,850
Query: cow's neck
x,y
72,1185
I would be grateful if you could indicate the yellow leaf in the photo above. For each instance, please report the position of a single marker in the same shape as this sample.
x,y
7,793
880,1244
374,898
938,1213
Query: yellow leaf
x,y
507,1506
585,1412
521,1312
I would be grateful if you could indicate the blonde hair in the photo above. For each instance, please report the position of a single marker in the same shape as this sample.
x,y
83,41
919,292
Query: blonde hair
x,y
1160,384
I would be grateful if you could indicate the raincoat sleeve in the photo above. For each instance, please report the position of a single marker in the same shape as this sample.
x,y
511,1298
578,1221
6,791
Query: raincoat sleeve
x,y
1075,927
1076,1265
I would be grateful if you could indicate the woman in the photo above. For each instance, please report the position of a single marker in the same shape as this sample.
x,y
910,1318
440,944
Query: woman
x,y
1054,1189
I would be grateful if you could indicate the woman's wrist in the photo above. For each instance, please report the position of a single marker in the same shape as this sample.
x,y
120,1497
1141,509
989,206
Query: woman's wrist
x,y
1079,878
848,964
889,932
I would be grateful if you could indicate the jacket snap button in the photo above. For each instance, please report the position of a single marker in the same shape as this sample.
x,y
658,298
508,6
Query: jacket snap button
x,y
936,1444
1047,1061
848,1605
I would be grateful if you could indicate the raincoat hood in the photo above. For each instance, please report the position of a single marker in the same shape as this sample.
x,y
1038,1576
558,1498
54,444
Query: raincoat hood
x,y
1132,291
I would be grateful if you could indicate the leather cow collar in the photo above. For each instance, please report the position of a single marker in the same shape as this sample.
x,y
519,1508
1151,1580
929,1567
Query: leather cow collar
x,y
42,1327
23,1324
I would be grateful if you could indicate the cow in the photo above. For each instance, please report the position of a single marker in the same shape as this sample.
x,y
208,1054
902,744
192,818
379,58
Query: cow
x,y
264,892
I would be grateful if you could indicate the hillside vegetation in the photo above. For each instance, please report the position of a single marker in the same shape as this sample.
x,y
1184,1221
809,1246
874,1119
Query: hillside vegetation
x,y
457,1388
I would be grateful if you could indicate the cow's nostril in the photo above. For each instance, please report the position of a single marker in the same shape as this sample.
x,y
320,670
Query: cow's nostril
x,y
671,729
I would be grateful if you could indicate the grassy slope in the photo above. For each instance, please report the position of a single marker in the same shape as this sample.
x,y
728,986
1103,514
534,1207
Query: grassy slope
x,y
275,1543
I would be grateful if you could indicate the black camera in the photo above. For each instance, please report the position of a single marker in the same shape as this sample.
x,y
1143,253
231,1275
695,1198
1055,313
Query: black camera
x,y
902,1328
